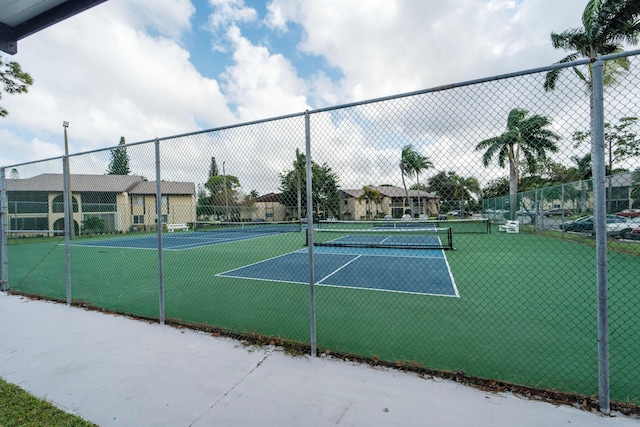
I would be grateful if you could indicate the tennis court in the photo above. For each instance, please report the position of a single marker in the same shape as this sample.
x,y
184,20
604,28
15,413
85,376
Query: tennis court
x,y
509,321
374,258
381,269
206,234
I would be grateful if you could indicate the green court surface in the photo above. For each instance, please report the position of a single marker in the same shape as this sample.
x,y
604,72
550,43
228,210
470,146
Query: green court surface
x,y
526,312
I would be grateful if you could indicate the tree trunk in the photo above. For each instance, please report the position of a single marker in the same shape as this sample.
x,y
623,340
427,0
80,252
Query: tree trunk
x,y
408,199
419,204
513,190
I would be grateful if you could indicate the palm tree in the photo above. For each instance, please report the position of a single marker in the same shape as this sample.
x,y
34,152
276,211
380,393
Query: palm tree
x,y
421,163
370,195
526,137
463,189
413,163
407,159
607,26
300,171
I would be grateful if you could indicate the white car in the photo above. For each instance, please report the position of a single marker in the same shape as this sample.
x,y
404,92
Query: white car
x,y
616,228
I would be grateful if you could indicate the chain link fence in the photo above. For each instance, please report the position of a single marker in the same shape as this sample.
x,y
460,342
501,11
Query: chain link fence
x,y
437,233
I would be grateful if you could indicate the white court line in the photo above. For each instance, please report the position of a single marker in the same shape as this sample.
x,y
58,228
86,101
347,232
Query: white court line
x,y
256,263
335,271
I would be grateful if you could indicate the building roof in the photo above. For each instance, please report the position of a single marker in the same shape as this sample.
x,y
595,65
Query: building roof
x,y
390,191
21,18
52,182
624,179
269,197
166,187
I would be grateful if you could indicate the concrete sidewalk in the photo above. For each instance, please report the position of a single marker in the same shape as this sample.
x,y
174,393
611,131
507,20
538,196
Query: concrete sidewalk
x,y
117,371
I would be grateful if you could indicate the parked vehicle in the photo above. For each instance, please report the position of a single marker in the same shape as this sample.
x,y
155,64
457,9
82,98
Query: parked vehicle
x,y
617,229
557,212
632,234
459,214
585,223
629,213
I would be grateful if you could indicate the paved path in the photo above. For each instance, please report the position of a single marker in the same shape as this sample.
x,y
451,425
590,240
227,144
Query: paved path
x,y
116,371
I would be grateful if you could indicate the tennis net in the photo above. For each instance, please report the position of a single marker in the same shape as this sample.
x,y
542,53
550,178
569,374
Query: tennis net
x,y
249,227
403,238
458,226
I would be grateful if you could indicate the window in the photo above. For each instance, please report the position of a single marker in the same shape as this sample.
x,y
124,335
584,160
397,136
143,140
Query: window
x,y
164,200
138,219
99,202
57,204
29,224
164,218
137,200
27,202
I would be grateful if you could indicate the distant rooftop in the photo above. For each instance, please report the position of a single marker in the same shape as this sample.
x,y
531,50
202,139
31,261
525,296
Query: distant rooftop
x,y
132,184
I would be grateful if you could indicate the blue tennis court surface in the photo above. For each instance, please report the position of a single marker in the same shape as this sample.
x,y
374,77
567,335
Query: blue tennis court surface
x,y
174,241
413,271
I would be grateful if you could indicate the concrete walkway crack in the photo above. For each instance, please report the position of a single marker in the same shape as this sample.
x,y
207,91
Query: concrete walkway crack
x,y
253,368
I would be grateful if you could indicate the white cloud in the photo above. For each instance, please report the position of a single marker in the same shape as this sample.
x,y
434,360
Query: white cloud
x,y
385,47
105,74
226,11
261,84
122,69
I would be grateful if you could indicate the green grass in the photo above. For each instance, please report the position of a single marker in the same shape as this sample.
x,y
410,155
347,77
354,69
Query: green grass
x,y
527,312
19,408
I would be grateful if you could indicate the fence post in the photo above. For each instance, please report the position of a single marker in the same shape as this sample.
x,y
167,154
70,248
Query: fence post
x,y
68,224
562,207
312,297
600,229
159,230
4,262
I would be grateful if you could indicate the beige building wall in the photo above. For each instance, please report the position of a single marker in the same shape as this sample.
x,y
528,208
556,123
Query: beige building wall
x,y
123,219
269,211
179,209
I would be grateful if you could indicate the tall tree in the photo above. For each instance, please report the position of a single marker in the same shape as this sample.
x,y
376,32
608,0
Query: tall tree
x,y
606,26
496,188
413,163
13,80
406,169
621,143
119,164
370,195
584,172
464,188
213,168
526,138
223,199
420,164
444,186
634,190
325,189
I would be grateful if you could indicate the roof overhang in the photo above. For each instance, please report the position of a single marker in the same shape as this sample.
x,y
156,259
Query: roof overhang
x,y
21,18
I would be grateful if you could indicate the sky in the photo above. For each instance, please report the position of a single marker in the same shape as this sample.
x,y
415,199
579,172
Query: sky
x,y
152,68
